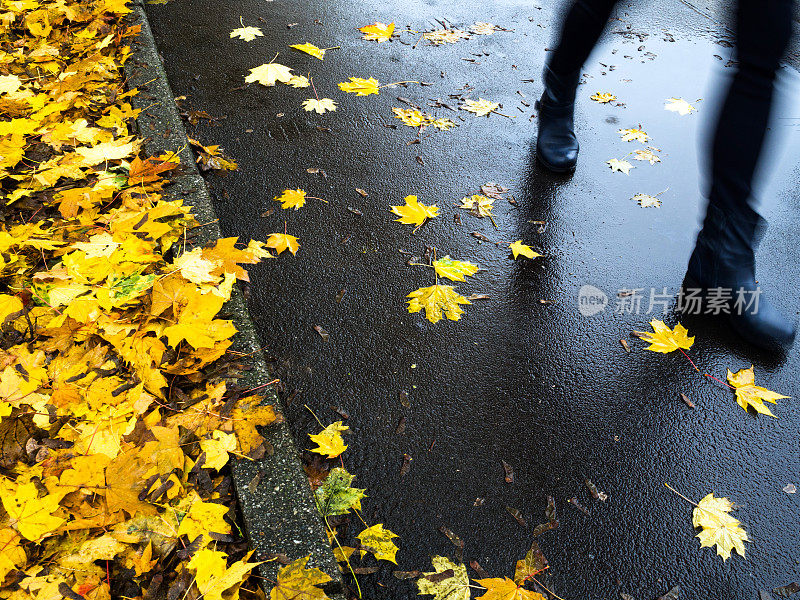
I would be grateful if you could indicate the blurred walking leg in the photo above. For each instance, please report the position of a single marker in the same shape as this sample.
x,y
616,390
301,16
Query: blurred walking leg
x,y
725,252
556,144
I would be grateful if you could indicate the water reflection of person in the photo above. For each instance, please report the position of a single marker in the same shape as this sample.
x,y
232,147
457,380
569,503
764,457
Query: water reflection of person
x,y
724,255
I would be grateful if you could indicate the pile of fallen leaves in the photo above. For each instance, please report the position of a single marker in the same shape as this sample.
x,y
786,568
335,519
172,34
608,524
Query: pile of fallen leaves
x,y
118,399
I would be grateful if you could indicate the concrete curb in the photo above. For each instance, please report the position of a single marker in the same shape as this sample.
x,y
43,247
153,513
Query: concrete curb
x,y
277,507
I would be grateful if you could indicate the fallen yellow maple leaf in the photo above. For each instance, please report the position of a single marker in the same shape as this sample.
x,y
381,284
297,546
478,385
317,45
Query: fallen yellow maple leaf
x,y
321,105
718,526
29,514
414,212
679,105
480,107
445,36
360,86
291,199
663,339
379,32
282,241
647,201
454,270
436,300
217,448
310,49
248,34
647,155
505,589
603,97
518,248
750,394
329,441
378,541
478,205
269,73
455,587
630,135
296,582
298,81
213,576
623,166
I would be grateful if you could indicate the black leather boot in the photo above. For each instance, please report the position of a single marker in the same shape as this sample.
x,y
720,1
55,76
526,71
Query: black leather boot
x,y
724,257
556,144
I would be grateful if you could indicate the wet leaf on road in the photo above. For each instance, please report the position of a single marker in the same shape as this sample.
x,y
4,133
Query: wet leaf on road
x,y
268,74
663,339
718,527
329,441
406,466
673,594
623,166
445,36
790,488
647,201
360,86
480,107
635,134
291,199
322,332
437,300
454,270
478,205
648,155
282,241
508,472
518,248
576,504
443,585
505,589
481,28
414,212
378,541
517,516
248,34
550,515
319,105
603,97
686,400
379,32
787,590
750,394
310,49
457,541
679,105
533,563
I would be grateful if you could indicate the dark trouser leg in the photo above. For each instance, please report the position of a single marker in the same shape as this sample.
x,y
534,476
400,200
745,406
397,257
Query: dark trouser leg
x,y
556,144
724,255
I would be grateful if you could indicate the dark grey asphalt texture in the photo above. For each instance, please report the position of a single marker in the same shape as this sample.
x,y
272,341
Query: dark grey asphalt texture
x,y
538,385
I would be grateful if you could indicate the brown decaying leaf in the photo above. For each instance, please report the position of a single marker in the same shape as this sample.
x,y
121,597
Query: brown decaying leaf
x,y
576,504
787,590
478,569
550,515
686,400
508,472
406,466
322,333
673,594
517,516
457,542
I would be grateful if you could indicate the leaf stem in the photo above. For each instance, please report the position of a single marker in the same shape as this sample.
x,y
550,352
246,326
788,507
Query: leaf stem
x,y
315,416
672,489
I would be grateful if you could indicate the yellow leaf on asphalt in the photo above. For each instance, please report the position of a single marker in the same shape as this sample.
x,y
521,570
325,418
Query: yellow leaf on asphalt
x,y
321,105
298,81
663,339
269,73
380,32
414,212
360,86
630,135
310,49
719,528
648,155
603,98
750,394
481,28
296,582
623,166
679,105
454,270
647,201
248,34
445,36
410,116
518,248
291,199
378,541
505,589
455,587
282,241
329,441
480,107
478,205
437,300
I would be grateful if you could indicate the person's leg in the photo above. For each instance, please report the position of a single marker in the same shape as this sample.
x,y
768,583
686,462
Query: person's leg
x,y
556,144
724,255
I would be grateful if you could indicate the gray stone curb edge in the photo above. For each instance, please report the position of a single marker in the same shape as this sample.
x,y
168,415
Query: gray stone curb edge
x,y
277,507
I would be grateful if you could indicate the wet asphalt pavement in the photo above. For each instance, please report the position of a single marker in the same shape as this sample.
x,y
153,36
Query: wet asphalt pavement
x,y
522,377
